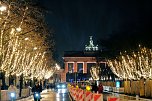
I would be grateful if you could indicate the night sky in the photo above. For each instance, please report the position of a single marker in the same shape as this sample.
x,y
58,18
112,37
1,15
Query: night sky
x,y
74,21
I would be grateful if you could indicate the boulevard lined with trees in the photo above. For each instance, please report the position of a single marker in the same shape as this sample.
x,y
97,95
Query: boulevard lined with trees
x,y
26,43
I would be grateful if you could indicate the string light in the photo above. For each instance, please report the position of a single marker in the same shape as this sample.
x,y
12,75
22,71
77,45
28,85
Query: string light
x,y
95,72
18,29
2,8
18,43
134,66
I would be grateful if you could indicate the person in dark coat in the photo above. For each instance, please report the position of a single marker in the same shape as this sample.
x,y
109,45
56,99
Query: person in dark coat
x,y
94,88
47,86
37,89
100,88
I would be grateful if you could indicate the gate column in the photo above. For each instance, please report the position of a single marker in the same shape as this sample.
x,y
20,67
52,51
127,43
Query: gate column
x,y
85,67
75,66
66,67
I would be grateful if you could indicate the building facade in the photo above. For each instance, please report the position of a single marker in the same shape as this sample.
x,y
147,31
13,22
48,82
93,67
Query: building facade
x,y
79,63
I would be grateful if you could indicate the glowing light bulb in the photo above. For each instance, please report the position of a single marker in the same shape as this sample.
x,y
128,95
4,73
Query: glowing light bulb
x,y
26,38
2,8
35,48
18,29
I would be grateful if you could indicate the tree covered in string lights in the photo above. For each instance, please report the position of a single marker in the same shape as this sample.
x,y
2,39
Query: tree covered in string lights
x,y
95,72
134,66
24,48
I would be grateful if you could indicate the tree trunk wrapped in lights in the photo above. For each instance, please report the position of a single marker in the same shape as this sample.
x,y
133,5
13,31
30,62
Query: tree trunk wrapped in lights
x,y
95,70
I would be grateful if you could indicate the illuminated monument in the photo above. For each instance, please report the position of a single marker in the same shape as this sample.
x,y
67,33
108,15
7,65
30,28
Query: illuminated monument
x,y
77,64
91,46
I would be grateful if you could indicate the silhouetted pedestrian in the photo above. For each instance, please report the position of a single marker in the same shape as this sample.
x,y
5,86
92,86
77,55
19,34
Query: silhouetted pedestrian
x,y
100,88
94,87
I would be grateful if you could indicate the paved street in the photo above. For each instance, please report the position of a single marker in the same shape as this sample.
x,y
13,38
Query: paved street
x,y
50,96
53,96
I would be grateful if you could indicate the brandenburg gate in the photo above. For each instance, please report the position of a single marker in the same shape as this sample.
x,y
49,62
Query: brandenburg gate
x,y
82,61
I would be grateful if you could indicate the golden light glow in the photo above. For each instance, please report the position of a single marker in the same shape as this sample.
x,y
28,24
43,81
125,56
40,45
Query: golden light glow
x,y
57,66
133,66
2,8
88,88
35,48
18,43
95,72
18,29
26,39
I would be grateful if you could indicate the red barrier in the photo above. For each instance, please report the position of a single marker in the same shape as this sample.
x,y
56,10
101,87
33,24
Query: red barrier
x,y
77,94
81,95
88,95
97,97
72,92
112,98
